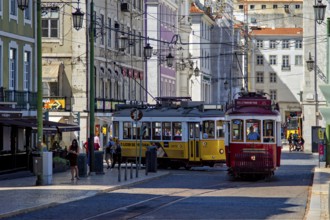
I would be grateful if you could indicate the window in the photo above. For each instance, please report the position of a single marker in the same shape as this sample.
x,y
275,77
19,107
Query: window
x,y
12,68
263,6
260,60
297,6
27,11
259,44
272,77
109,33
272,44
272,59
177,130
252,7
237,128
298,44
298,60
13,8
147,133
115,130
156,130
286,6
260,77
220,129
50,22
285,61
260,91
269,131
252,130
127,134
274,6
167,131
102,32
27,69
285,44
208,129
241,7
273,95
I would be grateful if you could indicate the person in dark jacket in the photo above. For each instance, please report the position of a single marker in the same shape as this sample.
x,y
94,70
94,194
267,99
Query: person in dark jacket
x,y
117,154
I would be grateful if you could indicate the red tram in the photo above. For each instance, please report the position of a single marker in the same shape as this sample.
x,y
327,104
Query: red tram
x,y
253,142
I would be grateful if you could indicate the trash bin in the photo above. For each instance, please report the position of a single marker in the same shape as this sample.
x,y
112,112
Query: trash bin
x,y
151,159
82,164
98,163
37,164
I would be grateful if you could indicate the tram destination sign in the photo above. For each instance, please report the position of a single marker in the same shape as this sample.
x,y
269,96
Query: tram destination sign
x,y
252,102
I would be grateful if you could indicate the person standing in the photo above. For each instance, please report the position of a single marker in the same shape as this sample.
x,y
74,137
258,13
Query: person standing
x,y
109,152
97,142
117,155
290,142
73,158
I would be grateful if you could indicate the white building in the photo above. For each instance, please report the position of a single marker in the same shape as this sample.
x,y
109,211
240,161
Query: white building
x,y
277,66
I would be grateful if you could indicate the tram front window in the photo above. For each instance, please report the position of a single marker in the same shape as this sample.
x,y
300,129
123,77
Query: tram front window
x,y
220,130
237,127
253,130
127,134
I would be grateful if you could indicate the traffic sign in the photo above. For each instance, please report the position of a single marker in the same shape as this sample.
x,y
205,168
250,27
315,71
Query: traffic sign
x,y
136,114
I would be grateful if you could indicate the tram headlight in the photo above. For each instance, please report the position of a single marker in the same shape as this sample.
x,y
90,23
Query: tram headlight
x,y
221,151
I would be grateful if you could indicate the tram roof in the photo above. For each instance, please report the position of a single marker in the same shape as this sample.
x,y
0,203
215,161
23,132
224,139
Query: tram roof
x,y
169,112
251,103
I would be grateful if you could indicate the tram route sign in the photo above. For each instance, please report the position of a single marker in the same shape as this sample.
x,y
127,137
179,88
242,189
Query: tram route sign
x,y
136,114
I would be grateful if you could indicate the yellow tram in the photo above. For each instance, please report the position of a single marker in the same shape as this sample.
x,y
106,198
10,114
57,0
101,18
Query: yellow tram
x,y
185,133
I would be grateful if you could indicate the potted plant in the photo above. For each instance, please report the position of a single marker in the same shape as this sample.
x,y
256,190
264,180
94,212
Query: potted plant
x,y
60,164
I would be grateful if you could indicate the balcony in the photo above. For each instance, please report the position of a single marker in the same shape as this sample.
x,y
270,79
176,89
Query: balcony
x,y
24,100
286,68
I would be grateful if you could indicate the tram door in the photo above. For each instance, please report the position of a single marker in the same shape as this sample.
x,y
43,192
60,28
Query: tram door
x,y
193,141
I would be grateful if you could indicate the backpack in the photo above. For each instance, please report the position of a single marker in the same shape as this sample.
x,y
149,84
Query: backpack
x,y
108,147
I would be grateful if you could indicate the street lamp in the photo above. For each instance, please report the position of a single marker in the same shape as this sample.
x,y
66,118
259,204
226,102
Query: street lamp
x,y
148,51
24,4
169,60
319,12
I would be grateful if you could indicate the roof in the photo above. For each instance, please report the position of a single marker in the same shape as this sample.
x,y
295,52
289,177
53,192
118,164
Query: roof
x,y
277,31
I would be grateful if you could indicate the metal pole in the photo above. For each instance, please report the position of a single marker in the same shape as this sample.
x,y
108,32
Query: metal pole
x,y
92,89
315,73
39,89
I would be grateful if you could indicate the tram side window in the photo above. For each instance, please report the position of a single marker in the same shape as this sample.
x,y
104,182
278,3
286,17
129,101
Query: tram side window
x,y
156,130
253,130
147,132
268,131
208,129
237,127
115,129
177,130
220,129
127,130
167,131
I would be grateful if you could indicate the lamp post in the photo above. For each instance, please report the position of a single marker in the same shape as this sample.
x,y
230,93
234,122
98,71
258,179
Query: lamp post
x,y
77,23
319,12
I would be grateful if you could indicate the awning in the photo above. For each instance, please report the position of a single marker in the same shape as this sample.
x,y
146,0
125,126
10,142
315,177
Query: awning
x,y
50,72
325,112
49,127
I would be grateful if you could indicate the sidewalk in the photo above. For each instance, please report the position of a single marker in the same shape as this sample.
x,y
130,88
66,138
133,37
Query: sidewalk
x,y
319,198
25,196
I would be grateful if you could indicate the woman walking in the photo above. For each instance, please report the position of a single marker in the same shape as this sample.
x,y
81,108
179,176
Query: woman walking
x,y
73,158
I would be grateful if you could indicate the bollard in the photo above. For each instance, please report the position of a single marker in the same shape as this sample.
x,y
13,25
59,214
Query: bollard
x,y
119,172
137,171
131,171
126,172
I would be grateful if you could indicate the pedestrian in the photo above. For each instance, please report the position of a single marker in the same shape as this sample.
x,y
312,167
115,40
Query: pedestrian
x,y
295,137
97,142
109,152
73,158
117,155
302,142
290,142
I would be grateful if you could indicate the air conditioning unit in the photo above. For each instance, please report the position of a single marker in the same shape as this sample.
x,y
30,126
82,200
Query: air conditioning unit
x,y
124,7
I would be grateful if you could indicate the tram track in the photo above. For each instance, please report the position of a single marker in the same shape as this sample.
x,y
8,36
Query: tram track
x,y
157,203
